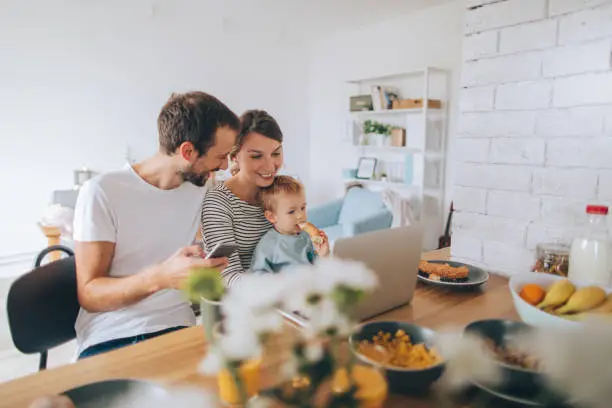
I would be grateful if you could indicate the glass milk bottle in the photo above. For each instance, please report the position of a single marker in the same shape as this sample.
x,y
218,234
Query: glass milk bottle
x,y
591,253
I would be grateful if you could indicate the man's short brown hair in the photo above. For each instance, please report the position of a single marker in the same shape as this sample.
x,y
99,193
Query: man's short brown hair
x,y
281,185
193,117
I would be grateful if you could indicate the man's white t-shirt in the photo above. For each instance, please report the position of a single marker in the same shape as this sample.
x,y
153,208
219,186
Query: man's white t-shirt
x,y
147,225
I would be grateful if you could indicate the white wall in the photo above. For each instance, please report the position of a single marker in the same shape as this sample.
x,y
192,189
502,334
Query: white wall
x,y
535,140
81,81
405,43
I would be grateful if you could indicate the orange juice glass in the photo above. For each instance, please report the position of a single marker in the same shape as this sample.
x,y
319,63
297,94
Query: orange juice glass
x,y
249,372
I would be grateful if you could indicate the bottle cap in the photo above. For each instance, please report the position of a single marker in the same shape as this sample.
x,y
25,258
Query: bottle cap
x,y
597,209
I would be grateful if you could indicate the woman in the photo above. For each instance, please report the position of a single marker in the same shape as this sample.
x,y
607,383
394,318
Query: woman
x,y
230,212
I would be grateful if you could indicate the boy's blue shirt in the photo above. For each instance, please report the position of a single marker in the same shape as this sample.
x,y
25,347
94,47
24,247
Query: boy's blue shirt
x,y
276,251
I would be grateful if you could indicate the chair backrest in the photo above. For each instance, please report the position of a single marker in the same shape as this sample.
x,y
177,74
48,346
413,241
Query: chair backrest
x,y
42,306
360,202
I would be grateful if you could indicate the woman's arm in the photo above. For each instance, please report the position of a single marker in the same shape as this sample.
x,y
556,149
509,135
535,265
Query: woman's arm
x,y
218,228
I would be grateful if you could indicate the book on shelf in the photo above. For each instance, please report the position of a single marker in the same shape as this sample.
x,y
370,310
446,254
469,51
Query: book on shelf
x,y
383,97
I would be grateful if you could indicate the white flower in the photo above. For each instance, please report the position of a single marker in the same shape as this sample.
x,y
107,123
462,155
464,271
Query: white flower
x,y
177,397
261,402
212,363
467,359
313,351
353,274
577,361
289,368
305,282
240,345
255,291
327,318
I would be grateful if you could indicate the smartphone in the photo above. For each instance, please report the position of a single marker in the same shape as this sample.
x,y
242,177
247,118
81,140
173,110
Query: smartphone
x,y
222,251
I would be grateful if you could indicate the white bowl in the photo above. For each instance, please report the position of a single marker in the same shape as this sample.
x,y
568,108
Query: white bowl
x,y
531,314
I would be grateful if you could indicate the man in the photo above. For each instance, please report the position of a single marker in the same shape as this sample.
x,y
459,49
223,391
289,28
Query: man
x,y
133,228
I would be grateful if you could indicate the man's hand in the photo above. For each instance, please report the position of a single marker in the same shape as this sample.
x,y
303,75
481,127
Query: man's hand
x,y
172,272
98,292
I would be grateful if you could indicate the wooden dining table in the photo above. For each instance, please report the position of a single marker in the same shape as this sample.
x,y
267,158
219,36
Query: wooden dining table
x,y
172,359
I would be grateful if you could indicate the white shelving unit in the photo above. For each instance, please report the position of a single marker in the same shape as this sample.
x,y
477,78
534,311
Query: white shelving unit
x,y
426,138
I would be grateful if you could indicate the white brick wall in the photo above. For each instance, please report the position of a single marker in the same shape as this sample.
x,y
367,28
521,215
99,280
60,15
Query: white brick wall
x,y
472,150
493,176
477,99
517,151
534,144
498,229
524,95
586,25
594,153
605,185
504,13
498,124
578,183
480,45
520,206
526,37
580,121
508,259
467,246
558,7
470,199
576,59
589,89
509,68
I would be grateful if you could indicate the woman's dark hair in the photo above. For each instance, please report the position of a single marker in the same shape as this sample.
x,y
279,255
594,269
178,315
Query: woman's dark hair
x,y
258,121
193,117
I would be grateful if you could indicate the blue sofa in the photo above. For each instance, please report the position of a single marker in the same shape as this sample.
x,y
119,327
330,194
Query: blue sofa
x,y
358,212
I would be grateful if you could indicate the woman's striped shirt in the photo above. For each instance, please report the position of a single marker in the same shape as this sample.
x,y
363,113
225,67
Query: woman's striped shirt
x,y
228,219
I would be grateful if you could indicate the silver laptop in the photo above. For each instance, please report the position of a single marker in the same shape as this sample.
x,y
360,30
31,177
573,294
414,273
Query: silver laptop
x,y
394,255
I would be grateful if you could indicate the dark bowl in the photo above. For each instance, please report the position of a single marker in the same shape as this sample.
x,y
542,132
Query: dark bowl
x,y
502,332
400,380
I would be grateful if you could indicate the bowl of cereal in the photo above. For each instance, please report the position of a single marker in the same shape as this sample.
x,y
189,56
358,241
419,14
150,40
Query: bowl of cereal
x,y
504,340
404,351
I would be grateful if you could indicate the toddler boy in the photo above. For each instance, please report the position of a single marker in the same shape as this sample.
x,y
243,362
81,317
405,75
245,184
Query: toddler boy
x,y
284,205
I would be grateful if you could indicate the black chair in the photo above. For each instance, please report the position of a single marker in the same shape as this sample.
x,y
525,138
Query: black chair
x,y
42,305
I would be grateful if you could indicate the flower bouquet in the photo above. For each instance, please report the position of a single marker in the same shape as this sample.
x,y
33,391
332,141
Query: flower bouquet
x,y
313,371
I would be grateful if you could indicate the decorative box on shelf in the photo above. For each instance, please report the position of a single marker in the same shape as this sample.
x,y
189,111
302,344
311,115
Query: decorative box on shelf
x,y
398,137
417,103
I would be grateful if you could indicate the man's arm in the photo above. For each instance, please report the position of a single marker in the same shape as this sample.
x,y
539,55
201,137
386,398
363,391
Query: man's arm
x,y
98,292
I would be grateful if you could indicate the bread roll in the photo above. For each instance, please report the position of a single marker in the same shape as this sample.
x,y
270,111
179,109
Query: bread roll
x,y
316,235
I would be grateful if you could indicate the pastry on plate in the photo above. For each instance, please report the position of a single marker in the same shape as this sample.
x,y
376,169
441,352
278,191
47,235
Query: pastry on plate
x,y
443,272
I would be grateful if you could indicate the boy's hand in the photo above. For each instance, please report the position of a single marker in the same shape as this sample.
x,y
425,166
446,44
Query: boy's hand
x,y
322,248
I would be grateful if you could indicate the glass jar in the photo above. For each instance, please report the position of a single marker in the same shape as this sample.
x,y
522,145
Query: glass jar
x,y
552,258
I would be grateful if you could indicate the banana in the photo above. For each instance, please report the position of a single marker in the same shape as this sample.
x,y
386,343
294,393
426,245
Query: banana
x,y
583,300
605,307
578,317
558,293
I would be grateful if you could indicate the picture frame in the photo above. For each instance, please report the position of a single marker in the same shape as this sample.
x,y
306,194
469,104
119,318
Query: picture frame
x,y
366,168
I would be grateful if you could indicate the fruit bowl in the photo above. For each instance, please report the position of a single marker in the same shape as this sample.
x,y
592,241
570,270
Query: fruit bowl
x,y
531,314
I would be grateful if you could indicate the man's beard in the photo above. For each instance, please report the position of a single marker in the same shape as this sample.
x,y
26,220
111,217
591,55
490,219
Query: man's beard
x,y
197,179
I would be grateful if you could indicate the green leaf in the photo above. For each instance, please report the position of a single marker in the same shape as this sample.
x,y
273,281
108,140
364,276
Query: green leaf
x,y
206,283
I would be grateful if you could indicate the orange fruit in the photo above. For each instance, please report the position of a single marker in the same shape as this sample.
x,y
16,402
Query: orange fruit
x,y
532,293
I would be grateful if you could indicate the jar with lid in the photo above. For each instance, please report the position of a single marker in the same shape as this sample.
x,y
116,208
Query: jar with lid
x,y
591,252
552,258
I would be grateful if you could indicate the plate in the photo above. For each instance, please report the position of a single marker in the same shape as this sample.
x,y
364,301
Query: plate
x,y
530,399
476,276
105,394
527,399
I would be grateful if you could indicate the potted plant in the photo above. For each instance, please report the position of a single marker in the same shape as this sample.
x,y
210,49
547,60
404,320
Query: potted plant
x,y
376,132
